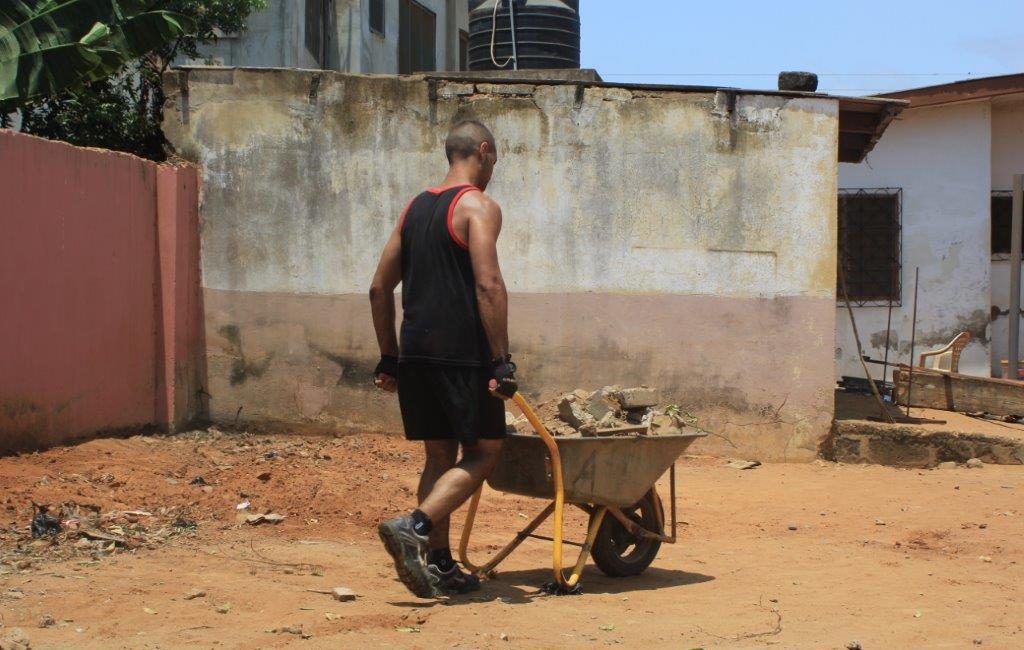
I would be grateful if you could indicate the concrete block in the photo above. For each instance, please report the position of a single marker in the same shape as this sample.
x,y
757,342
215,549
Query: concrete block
x,y
639,397
900,453
505,89
572,413
455,90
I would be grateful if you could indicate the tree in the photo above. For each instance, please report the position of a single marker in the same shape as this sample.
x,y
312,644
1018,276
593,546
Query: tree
x,y
124,111
47,46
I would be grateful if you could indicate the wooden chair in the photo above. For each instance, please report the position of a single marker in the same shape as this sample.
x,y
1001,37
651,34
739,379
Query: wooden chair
x,y
948,357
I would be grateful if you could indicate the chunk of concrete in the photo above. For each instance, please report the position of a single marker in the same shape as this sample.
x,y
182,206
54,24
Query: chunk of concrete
x,y
343,594
572,413
636,398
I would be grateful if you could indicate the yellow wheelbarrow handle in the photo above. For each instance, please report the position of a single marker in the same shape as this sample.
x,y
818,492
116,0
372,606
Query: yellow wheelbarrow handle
x,y
557,507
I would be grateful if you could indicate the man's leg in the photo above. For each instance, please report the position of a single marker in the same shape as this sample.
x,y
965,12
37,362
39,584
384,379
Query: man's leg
x,y
441,457
459,483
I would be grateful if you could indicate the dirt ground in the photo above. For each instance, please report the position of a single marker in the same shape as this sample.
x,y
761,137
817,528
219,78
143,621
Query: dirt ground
x,y
812,556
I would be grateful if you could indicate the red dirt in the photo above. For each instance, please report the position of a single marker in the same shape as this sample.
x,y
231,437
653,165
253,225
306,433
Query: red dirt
x,y
891,558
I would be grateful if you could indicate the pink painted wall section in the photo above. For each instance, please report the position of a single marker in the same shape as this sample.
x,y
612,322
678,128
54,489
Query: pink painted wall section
x,y
82,290
180,304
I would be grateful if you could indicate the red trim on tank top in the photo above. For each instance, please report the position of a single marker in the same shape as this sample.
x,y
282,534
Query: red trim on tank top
x,y
438,190
451,215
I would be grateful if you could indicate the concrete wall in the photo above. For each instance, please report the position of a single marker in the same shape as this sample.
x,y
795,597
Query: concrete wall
x,y
650,236
940,157
1007,160
275,38
99,282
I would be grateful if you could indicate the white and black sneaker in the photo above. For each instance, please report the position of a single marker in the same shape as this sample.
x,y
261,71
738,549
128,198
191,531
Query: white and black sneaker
x,y
409,550
453,581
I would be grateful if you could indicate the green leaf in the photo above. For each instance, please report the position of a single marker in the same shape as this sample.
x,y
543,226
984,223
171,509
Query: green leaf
x,y
46,47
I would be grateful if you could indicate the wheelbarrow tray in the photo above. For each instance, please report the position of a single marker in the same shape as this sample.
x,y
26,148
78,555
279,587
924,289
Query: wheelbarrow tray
x,y
605,471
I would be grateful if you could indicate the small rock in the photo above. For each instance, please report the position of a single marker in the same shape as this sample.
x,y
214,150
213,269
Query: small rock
x,y
171,481
223,608
14,594
975,463
14,639
207,488
947,465
47,621
21,565
288,629
977,642
503,636
985,558
343,594
879,522
743,464
853,645
269,518
792,527
982,526
195,593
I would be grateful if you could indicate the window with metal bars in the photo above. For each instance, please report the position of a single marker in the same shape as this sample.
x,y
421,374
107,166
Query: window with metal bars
x,y
869,245
377,16
417,38
1002,215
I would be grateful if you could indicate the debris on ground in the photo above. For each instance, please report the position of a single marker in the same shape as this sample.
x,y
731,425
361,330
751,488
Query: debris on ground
x,y
14,639
43,525
610,411
195,593
268,518
743,464
343,594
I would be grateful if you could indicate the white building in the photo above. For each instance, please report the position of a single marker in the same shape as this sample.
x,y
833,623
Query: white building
x,y
358,36
934,196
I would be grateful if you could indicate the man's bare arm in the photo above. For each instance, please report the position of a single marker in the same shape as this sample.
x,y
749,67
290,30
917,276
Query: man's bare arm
x,y
382,301
484,218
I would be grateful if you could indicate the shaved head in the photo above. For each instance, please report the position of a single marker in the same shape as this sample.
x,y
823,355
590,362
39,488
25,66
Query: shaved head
x,y
465,139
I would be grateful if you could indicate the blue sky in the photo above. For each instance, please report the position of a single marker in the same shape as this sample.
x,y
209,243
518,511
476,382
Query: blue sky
x,y
856,48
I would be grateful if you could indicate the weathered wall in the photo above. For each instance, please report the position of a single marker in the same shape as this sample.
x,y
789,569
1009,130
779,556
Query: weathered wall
x,y
100,325
649,236
1007,160
940,158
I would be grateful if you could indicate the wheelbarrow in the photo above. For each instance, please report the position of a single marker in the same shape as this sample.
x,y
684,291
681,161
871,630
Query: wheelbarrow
x,y
600,475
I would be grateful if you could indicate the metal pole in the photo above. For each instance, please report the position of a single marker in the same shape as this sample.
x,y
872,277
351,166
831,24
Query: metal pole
x,y
885,360
1013,356
512,23
913,339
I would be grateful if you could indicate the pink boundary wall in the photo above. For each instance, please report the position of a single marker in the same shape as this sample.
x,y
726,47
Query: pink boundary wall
x,y
100,307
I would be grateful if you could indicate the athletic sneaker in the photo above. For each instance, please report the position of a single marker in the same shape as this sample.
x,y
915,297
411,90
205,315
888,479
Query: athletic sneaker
x,y
453,581
409,550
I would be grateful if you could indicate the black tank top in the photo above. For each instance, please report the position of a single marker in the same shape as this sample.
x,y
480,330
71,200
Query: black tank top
x,y
441,320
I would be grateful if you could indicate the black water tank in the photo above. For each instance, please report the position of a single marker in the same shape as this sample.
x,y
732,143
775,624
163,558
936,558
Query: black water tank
x,y
547,34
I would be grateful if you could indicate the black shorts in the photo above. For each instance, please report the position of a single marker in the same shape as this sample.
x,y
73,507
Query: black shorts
x,y
448,403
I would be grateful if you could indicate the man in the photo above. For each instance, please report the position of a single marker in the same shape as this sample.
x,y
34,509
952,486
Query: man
x,y
452,369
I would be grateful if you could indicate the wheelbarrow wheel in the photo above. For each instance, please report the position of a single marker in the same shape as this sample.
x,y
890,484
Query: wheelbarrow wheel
x,y
616,551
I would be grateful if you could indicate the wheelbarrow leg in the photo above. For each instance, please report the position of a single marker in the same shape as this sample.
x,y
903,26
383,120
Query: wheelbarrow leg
x,y
521,536
561,582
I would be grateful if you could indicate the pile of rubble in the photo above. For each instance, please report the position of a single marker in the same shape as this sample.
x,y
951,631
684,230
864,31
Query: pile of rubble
x,y
611,411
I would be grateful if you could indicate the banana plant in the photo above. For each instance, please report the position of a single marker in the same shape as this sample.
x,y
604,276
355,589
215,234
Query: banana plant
x,y
47,46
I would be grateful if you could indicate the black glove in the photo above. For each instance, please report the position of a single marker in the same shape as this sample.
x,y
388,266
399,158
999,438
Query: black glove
x,y
388,366
504,372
